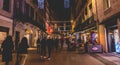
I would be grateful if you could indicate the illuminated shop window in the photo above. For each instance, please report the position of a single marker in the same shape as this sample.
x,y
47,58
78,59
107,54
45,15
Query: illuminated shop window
x,y
2,36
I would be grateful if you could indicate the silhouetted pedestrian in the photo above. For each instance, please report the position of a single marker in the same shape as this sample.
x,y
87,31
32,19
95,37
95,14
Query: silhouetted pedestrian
x,y
43,48
38,45
49,46
61,42
22,50
56,43
23,46
7,47
68,43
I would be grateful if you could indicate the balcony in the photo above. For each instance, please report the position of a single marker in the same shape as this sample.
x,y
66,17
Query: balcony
x,y
90,22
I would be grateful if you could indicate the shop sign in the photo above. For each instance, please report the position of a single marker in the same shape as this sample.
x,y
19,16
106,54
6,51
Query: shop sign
x,y
94,48
41,4
66,3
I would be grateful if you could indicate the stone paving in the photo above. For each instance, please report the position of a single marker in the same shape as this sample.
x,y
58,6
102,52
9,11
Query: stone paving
x,y
111,57
67,58
11,63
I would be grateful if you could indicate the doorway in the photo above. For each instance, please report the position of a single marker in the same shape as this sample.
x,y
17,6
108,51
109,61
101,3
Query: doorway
x,y
113,39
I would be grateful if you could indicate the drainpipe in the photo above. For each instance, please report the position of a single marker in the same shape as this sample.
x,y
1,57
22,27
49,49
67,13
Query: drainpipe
x,y
13,26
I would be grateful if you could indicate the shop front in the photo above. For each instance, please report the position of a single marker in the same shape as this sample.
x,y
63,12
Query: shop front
x,y
3,33
113,40
29,31
5,28
90,34
32,36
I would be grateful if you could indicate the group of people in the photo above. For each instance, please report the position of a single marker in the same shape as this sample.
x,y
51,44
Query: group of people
x,y
8,48
46,45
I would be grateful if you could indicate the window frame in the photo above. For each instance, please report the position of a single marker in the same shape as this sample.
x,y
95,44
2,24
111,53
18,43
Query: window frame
x,y
8,9
104,4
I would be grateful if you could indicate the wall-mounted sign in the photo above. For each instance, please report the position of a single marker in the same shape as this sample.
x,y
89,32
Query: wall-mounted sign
x,y
41,4
66,3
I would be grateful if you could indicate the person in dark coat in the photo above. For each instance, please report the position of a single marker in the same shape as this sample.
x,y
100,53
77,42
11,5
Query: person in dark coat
x,y
56,42
7,47
49,46
68,43
43,48
62,42
23,46
22,49
38,45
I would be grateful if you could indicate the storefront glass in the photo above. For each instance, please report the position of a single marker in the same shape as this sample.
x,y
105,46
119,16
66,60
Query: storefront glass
x,y
2,37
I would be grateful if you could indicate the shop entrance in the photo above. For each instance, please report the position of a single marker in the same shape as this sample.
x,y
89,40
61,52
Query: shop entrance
x,y
113,39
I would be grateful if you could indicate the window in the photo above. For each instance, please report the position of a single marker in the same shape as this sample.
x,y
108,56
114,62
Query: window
x,y
6,5
86,11
27,9
106,4
32,13
90,6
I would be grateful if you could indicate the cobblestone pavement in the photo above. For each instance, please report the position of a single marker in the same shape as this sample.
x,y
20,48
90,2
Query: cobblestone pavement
x,y
63,58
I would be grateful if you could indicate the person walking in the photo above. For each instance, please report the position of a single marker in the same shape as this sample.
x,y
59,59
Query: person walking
x,y
38,45
23,49
56,42
61,42
49,46
68,43
43,48
7,48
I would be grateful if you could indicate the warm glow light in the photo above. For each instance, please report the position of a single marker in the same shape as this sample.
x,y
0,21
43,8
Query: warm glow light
x,y
71,21
29,31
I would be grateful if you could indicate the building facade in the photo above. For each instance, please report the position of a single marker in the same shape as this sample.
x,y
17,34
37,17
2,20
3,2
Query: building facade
x,y
28,21
86,20
6,19
101,17
21,18
109,15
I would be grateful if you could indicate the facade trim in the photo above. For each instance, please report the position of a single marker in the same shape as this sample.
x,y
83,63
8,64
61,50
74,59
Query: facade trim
x,y
6,19
115,16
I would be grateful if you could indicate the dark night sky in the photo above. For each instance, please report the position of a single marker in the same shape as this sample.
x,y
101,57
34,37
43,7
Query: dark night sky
x,y
62,14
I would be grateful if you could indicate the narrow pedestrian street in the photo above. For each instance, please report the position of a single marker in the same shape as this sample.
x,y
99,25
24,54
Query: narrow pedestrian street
x,y
59,32
63,58
67,58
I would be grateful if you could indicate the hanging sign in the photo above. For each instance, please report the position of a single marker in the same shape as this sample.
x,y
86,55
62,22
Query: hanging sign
x,y
41,4
66,3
